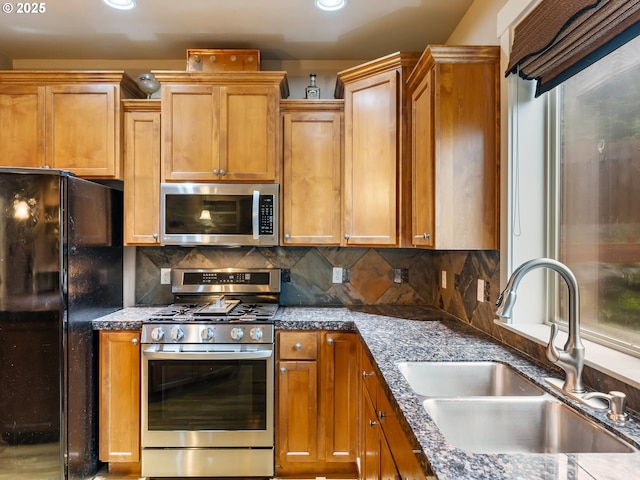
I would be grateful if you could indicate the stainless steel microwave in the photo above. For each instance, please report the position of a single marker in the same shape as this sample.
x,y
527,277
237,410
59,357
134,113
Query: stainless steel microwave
x,y
219,214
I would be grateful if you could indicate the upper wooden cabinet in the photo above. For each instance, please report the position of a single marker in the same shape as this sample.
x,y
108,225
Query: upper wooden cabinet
x,y
376,151
141,172
312,172
221,126
455,105
63,120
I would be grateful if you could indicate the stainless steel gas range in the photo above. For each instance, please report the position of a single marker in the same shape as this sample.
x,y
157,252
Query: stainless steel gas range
x,y
208,376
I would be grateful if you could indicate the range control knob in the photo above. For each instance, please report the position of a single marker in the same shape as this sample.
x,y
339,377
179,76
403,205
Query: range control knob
x,y
256,333
177,334
206,334
236,333
157,334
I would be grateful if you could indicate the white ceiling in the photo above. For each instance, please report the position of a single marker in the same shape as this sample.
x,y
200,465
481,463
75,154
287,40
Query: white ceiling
x,y
280,29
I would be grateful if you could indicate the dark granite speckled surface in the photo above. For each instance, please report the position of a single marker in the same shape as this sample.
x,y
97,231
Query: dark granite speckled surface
x,y
393,334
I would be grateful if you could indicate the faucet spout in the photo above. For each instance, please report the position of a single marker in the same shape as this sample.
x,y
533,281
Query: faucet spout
x,y
571,358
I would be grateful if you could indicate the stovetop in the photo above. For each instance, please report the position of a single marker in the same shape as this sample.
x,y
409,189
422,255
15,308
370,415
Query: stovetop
x,y
225,311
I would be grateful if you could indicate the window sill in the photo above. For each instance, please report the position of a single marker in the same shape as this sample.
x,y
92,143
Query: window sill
x,y
621,366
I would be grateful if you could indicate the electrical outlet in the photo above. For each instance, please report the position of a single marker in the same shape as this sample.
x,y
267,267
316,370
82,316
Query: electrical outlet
x,y
400,275
337,274
443,281
480,290
165,276
285,275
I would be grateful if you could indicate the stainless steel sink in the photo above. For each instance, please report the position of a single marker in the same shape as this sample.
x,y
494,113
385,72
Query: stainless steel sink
x,y
456,379
519,425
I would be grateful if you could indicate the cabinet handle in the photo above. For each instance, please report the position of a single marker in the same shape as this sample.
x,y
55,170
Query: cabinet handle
x,y
287,236
330,341
155,236
367,374
134,341
425,235
223,172
381,415
283,370
346,236
216,171
297,346
372,423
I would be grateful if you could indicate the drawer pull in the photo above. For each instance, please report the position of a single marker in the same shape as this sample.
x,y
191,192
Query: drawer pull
x,y
372,423
297,346
367,374
330,341
134,341
283,370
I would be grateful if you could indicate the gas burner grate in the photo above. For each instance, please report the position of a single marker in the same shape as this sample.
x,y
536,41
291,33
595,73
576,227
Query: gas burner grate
x,y
175,309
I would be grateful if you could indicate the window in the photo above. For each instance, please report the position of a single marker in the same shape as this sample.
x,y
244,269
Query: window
x,y
597,228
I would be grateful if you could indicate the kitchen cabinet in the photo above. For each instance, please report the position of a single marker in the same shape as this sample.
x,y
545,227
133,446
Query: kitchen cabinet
x,y
221,126
386,452
119,404
64,120
376,151
141,172
312,171
455,106
316,398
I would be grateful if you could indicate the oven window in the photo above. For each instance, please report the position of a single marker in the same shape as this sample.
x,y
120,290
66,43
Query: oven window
x,y
207,395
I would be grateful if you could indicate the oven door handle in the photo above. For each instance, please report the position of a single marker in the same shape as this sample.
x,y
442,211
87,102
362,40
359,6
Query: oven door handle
x,y
208,355
255,215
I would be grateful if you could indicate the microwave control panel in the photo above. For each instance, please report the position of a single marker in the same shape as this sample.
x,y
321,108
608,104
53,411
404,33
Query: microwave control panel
x,y
266,215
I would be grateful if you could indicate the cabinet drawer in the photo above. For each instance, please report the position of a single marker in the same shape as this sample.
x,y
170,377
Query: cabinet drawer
x,y
297,345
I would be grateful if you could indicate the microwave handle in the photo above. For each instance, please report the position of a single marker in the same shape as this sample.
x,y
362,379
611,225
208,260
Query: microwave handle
x,y
255,215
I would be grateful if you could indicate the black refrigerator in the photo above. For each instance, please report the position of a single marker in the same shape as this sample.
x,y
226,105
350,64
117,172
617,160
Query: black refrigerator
x,y
60,267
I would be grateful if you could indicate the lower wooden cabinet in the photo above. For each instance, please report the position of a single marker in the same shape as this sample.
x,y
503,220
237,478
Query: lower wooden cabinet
x,y
119,380
317,403
385,452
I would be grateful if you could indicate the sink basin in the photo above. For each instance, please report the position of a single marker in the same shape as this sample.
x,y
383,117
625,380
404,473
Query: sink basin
x,y
519,425
458,379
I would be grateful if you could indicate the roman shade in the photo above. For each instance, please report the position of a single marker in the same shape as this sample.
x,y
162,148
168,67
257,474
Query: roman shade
x,y
559,38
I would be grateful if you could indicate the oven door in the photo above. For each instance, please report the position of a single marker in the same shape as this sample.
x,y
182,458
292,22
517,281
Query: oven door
x,y
207,396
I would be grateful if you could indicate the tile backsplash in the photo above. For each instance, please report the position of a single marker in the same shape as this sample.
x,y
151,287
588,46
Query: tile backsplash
x,y
375,276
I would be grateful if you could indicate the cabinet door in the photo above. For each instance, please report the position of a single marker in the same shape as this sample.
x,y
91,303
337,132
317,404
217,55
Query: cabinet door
x,y
141,177
311,188
119,380
191,132
297,435
423,192
388,470
81,134
371,160
249,132
339,385
370,454
22,125
405,461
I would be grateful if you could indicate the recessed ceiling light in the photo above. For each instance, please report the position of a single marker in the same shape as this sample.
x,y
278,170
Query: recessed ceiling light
x,y
121,4
330,5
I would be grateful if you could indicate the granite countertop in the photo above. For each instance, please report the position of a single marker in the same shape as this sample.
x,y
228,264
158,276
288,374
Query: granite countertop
x,y
394,334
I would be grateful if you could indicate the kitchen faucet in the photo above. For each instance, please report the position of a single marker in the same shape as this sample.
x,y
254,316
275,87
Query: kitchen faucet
x,y
571,358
